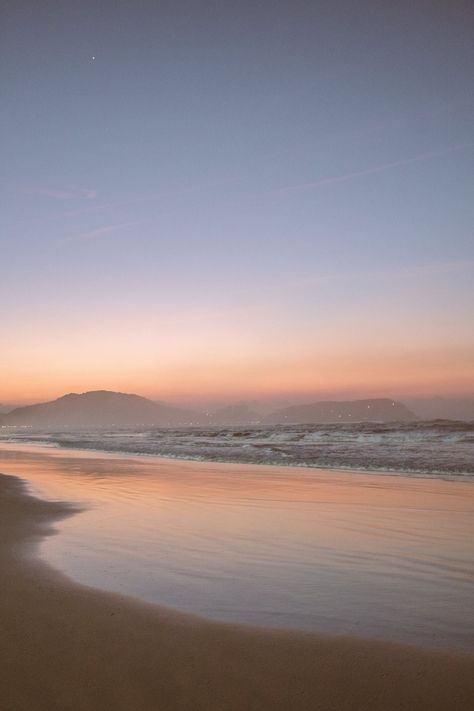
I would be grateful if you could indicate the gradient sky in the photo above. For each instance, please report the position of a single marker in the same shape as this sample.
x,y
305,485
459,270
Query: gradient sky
x,y
237,199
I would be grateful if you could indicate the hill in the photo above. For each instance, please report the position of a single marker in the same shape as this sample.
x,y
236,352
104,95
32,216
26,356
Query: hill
x,y
100,408
238,414
445,408
378,410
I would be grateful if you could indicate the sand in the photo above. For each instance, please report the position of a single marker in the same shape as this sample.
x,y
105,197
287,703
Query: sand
x,y
68,647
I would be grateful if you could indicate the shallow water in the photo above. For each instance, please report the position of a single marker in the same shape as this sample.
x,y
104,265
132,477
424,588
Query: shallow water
x,y
438,448
378,556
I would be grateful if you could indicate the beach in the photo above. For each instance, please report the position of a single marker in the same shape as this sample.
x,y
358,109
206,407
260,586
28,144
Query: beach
x,y
237,356
68,646
335,552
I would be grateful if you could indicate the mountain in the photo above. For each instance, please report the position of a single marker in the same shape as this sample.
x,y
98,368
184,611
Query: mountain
x,y
445,408
238,414
100,408
378,410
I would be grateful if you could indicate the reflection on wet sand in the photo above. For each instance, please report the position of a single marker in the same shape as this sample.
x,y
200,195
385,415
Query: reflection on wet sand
x,y
381,556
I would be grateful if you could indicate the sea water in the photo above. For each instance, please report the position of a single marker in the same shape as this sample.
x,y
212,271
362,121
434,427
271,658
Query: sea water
x,y
388,557
434,448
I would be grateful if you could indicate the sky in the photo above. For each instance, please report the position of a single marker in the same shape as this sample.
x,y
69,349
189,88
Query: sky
x,y
222,200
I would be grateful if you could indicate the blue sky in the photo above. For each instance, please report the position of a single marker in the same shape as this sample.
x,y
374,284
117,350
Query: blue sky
x,y
237,188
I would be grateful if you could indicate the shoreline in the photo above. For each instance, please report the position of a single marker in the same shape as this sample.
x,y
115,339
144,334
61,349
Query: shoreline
x,y
64,645
426,449
464,477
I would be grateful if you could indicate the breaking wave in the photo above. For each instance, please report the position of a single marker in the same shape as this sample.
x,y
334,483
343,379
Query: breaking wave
x,y
431,448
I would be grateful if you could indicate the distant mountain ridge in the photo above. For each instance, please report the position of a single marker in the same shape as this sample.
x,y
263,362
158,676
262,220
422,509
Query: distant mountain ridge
x,y
238,414
100,408
444,408
103,408
377,409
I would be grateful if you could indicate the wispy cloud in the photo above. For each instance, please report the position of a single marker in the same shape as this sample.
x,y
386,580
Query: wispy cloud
x,y
434,269
130,202
345,177
98,233
413,271
102,207
63,194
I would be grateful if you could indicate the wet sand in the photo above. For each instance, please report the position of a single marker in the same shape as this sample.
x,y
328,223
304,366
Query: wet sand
x,y
338,553
68,647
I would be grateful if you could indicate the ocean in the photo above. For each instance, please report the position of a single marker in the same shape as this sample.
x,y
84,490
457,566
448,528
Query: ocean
x,y
436,448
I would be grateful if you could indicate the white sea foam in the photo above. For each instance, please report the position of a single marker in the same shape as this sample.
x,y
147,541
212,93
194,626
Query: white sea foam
x,y
435,448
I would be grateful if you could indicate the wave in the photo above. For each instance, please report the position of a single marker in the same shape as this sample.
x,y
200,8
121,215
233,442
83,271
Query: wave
x,y
430,448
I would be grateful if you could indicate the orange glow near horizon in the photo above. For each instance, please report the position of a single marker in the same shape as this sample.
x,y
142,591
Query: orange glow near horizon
x,y
251,348
322,376
232,210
